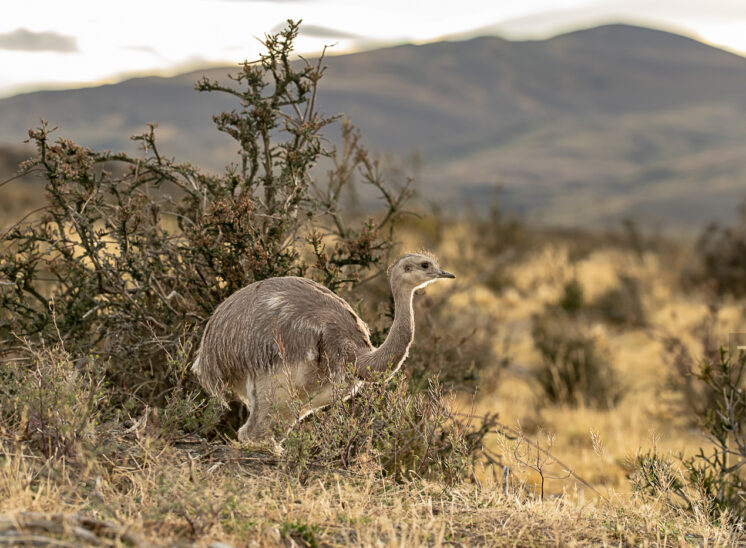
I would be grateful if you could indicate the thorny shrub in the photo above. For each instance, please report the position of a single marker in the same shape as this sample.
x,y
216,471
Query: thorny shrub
x,y
131,255
388,428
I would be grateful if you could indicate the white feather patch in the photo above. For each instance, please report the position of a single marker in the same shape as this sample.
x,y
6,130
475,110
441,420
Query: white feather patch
x,y
275,301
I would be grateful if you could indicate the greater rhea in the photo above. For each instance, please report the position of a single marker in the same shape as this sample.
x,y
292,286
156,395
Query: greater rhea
x,y
292,337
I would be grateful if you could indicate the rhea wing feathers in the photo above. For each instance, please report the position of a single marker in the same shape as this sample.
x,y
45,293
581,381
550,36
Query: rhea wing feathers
x,y
280,321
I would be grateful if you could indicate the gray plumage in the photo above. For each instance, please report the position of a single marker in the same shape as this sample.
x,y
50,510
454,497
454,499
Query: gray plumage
x,y
285,338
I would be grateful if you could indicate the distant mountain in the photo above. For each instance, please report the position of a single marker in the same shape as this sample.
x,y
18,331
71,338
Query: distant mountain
x,y
584,128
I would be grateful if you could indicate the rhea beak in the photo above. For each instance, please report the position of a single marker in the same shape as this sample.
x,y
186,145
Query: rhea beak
x,y
444,274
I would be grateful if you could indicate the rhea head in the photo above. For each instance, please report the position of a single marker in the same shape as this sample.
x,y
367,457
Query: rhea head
x,y
416,270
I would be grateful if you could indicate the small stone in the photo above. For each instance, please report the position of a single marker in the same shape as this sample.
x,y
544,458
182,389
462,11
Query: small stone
x,y
273,533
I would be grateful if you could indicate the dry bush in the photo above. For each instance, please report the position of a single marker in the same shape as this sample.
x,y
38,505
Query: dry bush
x,y
503,240
184,409
575,368
622,305
60,404
628,237
501,232
535,457
722,250
51,400
653,474
572,299
388,429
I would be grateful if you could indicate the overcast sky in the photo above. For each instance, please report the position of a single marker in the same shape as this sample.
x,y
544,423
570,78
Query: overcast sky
x,y
52,43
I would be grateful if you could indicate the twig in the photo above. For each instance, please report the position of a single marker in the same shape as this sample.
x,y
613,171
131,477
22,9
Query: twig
x,y
517,435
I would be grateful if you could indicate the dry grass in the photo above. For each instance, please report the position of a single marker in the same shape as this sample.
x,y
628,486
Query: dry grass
x,y
194,492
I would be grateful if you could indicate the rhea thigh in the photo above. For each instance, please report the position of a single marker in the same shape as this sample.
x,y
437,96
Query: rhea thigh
x,y
245,392
278,400
278,397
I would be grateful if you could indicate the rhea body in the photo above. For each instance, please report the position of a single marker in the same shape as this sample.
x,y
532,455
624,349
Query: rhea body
x,y
290,337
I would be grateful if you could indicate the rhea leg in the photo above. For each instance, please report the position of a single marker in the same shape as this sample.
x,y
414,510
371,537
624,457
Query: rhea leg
x,y
245,392
259,396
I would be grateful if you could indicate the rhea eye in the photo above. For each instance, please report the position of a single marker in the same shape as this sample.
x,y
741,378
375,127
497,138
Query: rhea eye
x,y
425,265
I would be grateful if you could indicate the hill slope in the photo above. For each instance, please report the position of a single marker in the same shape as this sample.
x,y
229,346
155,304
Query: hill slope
x,y
583,128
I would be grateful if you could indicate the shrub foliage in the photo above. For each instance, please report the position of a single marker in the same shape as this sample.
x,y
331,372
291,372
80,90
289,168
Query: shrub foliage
x,y
712,481
389,428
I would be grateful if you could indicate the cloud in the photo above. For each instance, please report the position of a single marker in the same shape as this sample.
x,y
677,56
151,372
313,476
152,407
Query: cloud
x,y
317,31
26,40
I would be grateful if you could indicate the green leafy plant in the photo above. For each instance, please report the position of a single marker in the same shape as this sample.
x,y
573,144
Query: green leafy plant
x,y
299,531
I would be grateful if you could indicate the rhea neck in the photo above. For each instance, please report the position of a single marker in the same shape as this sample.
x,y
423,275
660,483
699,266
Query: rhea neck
x,y
394,349
401,333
